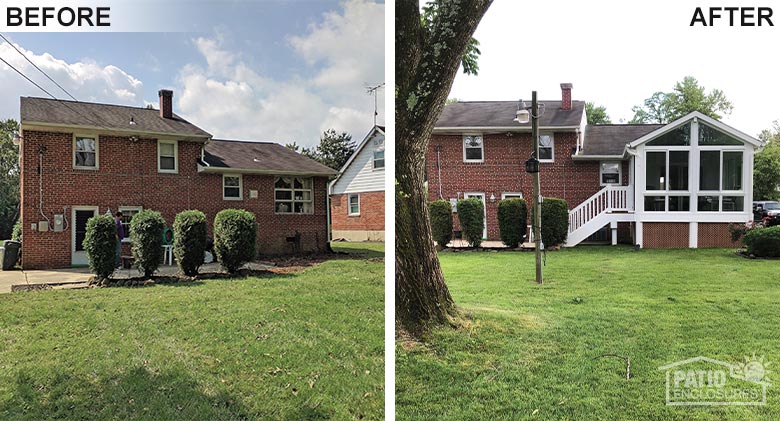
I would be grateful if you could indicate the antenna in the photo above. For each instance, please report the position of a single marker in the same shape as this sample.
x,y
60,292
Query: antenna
x,y
372,90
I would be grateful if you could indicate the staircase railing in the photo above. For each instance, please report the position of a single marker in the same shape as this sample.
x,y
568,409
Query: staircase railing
x,y
609,199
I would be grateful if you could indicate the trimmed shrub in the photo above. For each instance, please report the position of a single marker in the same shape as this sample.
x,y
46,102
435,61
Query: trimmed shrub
x,y
441,222
234,238
146,229
100,245
190,233
512,217
16,234
763,242
555,221
471,214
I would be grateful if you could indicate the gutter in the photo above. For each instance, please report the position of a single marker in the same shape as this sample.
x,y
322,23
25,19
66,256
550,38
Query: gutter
x,y
226,170
71,127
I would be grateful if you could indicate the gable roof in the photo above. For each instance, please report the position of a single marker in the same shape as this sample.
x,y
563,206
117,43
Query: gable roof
x,y
501,114
611,139
690,116
225,156
43,111
374,130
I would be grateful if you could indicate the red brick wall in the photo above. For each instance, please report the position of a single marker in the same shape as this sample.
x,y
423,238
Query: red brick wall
x,y
128,176
372,212
665,235
714,235
503,170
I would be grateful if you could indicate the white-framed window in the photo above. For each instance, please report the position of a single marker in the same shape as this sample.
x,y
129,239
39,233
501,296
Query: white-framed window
x,y
127,217
379,158
354,204
86,153
666,180
546,147
167,156
511,195
720,181
610,172
473,148
232,187
294,195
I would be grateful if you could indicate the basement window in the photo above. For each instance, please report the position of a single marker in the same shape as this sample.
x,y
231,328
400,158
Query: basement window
x,y
85,152
293,195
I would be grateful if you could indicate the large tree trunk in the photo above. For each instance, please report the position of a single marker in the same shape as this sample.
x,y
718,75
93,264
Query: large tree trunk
x,y
427,60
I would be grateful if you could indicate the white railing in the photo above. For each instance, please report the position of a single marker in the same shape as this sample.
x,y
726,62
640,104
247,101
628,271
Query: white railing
x,y
609,199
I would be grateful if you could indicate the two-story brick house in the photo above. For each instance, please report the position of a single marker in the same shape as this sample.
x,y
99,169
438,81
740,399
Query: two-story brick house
x,y
79,159
673,185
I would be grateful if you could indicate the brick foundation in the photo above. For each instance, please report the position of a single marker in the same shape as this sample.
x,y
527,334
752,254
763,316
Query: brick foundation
x,y
368,226
665,235
715,235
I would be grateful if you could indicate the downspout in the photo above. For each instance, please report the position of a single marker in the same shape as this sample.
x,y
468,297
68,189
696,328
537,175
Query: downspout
x,y
329,235
41,151
438,169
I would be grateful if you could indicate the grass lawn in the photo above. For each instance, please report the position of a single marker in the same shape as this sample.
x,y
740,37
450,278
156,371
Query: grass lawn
x,y
279,346
529,351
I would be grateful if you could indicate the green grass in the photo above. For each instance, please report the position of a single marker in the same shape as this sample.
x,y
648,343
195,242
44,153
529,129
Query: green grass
x,y
307,345
528,350
369,250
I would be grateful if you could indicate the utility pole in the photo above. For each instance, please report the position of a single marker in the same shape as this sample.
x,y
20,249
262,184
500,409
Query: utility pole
x,y
537,189
372,90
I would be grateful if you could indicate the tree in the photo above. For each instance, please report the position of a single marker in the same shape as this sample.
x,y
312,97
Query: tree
x,y
335,149
9,178
687,96
596,114
430,48
307,152
766,171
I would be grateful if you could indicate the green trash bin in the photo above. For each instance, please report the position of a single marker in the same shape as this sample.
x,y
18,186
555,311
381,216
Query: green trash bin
x,y
9,254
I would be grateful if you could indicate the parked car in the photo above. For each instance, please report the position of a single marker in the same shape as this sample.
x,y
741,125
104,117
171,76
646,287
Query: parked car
x,y
767,211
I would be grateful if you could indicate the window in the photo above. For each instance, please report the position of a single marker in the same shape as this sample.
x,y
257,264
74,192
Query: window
x,y
511,195
379,159
711,136
610,173
720,171
354,204
127,216
85,152
232,186
667,171
680,136
546,148
473,148
293,195
167,154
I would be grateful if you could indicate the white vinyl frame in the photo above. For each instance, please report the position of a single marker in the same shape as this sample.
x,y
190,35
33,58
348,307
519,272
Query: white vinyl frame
x,y
124,209
96,138
463,142
484,209
349,204
620,173
96,210
720,193
240,186
552,146
175,144
504,195
313,189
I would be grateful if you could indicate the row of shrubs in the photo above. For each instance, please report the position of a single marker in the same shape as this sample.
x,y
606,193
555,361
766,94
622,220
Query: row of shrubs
x,y
512,221
234,241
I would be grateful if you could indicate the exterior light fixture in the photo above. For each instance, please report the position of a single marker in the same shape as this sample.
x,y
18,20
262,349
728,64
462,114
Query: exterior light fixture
x,y
17,139
523,116
532,165
492,198
132,121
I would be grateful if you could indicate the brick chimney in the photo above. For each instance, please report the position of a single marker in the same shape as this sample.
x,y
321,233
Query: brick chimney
x,y
166,103
566,96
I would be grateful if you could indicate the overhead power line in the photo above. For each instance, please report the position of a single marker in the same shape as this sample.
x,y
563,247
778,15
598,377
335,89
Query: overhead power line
x,y
28,79
36,66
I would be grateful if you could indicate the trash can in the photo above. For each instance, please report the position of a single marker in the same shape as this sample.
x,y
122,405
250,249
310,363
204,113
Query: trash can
x,y
9,254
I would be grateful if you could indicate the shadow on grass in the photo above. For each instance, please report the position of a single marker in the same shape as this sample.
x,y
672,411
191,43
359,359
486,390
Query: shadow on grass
x,y
355,250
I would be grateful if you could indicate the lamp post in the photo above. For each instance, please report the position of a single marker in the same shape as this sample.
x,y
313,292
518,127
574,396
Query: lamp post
x,y
524,114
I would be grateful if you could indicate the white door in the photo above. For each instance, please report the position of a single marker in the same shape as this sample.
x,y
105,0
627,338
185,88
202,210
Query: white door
x,y
481,197
81,215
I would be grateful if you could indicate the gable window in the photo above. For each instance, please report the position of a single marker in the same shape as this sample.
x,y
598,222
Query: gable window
x,y
232,187
127,217
610,172
167,156
379,159
85,152
354,204
546,147
473,148
720,181
293,195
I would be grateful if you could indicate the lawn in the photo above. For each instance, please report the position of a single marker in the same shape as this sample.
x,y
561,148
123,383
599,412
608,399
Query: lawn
x,y
531,351
305,345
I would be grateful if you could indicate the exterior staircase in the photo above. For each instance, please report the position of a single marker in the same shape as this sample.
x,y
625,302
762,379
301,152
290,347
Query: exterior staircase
x,y
610,205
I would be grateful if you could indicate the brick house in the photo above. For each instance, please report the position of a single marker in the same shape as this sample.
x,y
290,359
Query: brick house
x,y
79,159
674,186
357,194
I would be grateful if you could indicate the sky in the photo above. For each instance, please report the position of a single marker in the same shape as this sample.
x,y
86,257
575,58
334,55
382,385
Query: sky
x,y
617,54
271,70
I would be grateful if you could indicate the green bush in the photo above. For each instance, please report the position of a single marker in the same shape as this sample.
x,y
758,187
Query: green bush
x,y
471,214
763,242
190,233
100,245
16,234
146,229
234,238
441,222
512,217
555,221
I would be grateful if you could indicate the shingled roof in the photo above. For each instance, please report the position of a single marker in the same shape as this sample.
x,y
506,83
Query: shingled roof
x,y
259,157
611,139
500,114
105,116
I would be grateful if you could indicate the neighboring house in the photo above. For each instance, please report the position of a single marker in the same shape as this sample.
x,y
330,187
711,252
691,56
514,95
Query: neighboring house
x,y
358,193
659,186
80,159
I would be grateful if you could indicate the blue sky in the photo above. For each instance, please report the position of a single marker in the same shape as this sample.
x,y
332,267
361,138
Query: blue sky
x,y
268,70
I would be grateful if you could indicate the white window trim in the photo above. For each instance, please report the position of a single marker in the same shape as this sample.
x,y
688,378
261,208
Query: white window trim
x,y
620,173
240,187
349,204
482,147
175,169
373,160
124,209
97,152
313,201
667,192
505,194
720,193
552,138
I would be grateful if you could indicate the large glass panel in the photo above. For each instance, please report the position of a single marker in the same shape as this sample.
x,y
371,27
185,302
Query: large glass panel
x,y
732,170
733,204
709,203
678,170
679,203
656,171
283,195
709,170
680,136
167,163
655,203
712,136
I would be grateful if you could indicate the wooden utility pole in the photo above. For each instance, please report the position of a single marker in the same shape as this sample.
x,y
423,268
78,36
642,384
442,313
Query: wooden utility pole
x,y
537,212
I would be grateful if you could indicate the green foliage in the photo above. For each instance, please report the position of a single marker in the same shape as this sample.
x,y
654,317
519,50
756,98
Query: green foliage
x,y
307,152
471,214
333,150
441,222
763,242
766,173
234,238
512,217
9,177
737,231
596,114
100,245
687,96
190,233
555,221
146,229
16,235
430,17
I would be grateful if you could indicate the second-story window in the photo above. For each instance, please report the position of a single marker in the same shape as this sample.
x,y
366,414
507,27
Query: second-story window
x,y
167,156
546,147
379,159
85,152
473,148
